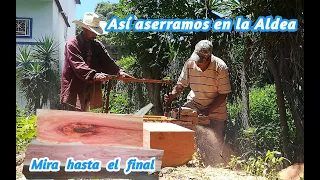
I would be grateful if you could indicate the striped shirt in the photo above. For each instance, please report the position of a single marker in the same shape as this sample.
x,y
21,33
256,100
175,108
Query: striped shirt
x,y
206,85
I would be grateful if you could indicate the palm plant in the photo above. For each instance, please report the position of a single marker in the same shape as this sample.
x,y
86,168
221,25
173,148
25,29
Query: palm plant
x,y
38,73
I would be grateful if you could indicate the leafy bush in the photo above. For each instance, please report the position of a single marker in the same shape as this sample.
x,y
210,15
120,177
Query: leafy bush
x,y
266,165
25,128
264,119
118,103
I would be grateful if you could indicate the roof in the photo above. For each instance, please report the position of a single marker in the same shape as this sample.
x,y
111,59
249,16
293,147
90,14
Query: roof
x,y
65,18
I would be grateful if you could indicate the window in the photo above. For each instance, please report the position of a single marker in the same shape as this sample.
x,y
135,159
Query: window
x,y
23,27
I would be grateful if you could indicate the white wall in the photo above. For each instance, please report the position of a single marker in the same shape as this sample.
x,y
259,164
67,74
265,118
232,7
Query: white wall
x,y
46,20
60,28
69,7
72,16
40,12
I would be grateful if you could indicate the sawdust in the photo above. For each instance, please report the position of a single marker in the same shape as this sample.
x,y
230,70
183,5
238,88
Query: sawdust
x,y
210,145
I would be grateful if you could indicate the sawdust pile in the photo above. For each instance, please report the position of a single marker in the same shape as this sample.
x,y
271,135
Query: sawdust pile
x,y
212,149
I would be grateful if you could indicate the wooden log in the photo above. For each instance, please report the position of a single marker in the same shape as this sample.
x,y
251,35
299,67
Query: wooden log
x,y
79,151
56,126
185,111
176,141
188,118
195,121
203,120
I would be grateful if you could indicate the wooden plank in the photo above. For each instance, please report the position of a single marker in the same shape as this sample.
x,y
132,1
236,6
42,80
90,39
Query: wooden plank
x,y
160,118
185,124
56,126
176,141
180,123
163,81
79,151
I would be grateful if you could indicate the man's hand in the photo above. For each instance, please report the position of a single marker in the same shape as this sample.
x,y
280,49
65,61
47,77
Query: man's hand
x,y
124,75
168,98
102,77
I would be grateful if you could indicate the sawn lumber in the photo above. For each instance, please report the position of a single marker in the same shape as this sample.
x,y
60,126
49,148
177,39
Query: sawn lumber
x,y
79,151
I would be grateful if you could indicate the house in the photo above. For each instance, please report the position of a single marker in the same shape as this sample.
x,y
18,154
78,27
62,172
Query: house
x,y
37,18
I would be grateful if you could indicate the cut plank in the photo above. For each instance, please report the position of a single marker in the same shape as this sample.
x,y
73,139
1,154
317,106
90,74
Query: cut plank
x,y
57,126
78,151
161,118
176,141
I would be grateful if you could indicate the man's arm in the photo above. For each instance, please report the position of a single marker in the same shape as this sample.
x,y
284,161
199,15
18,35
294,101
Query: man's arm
x,y
183,82
221,98
177,89
80,68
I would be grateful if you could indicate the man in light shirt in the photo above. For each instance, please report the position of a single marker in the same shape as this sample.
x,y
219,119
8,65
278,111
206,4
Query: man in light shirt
x,y
208,78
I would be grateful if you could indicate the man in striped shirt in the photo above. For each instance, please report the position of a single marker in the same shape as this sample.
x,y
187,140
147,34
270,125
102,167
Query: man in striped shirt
x,y
208,78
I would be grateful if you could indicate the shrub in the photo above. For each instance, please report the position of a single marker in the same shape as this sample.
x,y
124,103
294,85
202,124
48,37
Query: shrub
x,y
265,133
266,165
25,128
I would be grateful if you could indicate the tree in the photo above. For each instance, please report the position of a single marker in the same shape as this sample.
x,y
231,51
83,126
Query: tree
x,y
284,55
156,52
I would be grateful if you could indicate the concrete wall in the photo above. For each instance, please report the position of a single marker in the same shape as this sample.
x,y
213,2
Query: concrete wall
x,y
60,32
40,12
46,20
69,7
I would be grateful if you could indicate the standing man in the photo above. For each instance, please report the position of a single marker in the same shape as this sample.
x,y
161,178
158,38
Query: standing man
x,y
208,78
87,63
